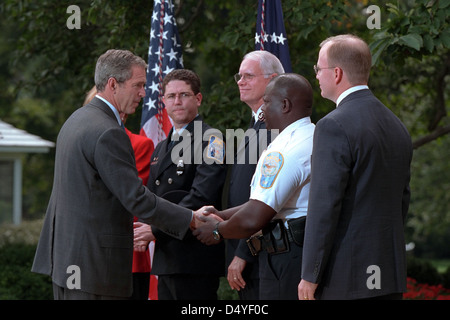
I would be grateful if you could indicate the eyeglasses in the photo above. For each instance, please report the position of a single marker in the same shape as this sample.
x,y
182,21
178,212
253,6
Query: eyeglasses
x,y
247,76
317,68
170,97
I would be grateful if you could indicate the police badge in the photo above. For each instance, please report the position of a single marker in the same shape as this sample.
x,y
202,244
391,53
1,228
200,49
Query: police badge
x,y
271,166
215,149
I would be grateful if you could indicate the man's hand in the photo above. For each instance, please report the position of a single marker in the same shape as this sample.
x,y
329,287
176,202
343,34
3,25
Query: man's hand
x,y
142,236
140,246
204,226
234,275
306,290
205,210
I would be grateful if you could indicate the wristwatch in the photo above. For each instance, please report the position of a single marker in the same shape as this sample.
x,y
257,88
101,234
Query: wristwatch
x,y
216,234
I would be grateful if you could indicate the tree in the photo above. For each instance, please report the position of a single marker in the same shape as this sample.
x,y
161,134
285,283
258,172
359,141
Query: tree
x,y
48,68
416,37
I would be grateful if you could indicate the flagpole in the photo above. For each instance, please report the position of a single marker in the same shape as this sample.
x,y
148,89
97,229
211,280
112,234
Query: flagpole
x,y
160,102
270,31
263,12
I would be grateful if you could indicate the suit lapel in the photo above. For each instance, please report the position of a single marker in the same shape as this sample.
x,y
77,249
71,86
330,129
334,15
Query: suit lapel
x,y
164,158
96,102
252,138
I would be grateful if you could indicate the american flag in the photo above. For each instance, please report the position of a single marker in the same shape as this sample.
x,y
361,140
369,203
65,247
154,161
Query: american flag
x,y
164,55
270,32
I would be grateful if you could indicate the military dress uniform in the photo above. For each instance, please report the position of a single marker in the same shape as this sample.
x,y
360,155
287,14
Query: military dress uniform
x,y
281,181
190,172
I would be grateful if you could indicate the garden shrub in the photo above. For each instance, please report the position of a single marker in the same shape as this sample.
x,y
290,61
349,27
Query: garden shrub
x,y
423,271
17,282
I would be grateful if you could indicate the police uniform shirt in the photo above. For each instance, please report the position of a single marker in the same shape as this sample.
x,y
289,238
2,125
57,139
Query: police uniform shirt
x,y
282,176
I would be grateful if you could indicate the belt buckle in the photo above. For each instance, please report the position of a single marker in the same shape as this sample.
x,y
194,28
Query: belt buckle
x,y
252,242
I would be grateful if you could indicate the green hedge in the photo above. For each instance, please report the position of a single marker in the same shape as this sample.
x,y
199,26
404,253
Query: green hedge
x,y
17,282
424,272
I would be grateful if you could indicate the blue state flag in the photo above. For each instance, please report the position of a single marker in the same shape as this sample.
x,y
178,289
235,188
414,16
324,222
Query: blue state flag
x,y
270,32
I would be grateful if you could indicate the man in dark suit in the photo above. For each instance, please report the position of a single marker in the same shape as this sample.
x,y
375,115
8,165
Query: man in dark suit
x,y
191,176
354,239
143,148
86,243
256,70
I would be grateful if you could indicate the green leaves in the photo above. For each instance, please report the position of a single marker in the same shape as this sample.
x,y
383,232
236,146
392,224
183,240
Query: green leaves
x,y
419,28
411,40
46,68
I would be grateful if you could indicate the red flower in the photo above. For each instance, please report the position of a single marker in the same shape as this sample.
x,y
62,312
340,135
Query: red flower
x,y
423,291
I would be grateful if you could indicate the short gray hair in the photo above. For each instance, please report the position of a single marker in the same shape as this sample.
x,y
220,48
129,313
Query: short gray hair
x,y
116,64
268,62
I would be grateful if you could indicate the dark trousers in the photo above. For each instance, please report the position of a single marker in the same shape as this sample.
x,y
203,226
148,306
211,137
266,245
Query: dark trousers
x,y
280,274
251,289
141,285
60,293
392,296
187,287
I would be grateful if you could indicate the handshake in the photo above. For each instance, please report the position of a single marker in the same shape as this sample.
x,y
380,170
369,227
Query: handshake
x,y
203,224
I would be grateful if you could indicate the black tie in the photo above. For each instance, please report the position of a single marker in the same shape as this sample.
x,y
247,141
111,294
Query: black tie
x,y
252,122
175,138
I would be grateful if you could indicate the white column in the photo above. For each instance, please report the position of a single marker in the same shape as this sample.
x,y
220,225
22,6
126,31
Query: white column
x,y
17,191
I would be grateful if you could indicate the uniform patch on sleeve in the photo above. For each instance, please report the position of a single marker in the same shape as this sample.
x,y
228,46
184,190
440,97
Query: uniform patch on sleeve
x,y
272,164
215,149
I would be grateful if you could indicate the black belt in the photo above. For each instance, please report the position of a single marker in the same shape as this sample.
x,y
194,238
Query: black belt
x,y
276,238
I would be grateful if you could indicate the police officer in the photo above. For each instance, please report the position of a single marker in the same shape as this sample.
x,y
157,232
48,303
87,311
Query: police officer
x,y
188,169
279,192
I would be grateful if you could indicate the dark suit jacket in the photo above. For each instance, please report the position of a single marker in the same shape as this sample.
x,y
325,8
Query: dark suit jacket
x,y
199,184
96,190
239,192
358,201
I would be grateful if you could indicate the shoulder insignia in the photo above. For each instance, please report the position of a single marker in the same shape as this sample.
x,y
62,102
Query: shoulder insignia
x,y
271,166
215,149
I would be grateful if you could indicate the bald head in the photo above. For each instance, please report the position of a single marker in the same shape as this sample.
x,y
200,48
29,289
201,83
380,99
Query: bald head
x,y
288,98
